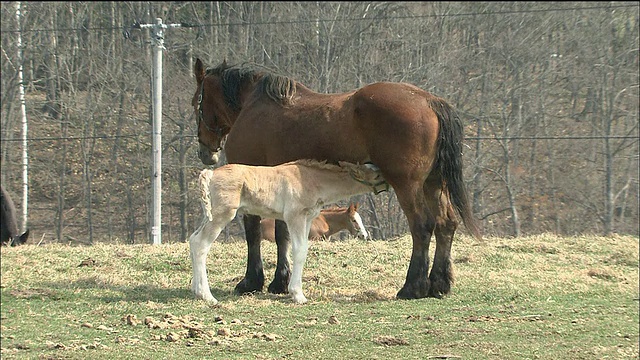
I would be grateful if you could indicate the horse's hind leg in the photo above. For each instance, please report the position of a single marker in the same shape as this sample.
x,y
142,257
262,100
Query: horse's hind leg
x,y
254,277
421,224
441,275
283,272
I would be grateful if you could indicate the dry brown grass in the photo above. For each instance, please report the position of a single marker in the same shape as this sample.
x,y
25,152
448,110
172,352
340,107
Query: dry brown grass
x,y
570,298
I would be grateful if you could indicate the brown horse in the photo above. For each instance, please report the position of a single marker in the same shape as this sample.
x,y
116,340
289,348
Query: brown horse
x,y
414,137
329,222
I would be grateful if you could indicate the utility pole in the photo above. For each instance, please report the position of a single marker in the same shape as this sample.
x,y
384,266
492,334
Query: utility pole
x,y
156,176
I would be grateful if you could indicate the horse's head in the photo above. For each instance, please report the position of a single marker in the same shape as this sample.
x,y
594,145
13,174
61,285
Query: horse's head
x,y
367,174
357,226
16,240
211,113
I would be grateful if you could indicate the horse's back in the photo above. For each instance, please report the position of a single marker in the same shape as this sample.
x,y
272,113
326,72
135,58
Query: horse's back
x,y
389,124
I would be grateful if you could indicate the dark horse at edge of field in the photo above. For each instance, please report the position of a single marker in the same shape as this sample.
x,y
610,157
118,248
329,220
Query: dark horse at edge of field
x,y
8,222
414,137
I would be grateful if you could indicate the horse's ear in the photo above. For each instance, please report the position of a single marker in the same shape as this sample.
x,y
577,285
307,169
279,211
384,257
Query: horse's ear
x,y
352,208
198,70
224,63
355,207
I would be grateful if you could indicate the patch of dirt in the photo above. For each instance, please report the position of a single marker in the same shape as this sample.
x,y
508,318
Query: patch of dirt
x,y
387,340
33,293
188,329
602,274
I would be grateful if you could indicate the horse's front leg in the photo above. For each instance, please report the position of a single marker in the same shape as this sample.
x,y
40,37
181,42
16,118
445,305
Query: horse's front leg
x,y
283,272
254,277
199,244
299,230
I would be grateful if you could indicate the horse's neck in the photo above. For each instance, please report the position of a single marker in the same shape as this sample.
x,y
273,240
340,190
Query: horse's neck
x,y
335,221
341,187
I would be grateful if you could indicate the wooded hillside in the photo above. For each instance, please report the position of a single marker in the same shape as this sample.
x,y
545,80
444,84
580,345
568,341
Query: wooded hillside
x,y
548,93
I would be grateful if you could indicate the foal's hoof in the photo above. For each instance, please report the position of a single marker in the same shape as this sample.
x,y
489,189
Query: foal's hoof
x,y
247,287
297,296
208,298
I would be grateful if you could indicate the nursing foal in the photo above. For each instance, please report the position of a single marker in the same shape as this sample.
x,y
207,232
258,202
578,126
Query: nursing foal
x,y
293,192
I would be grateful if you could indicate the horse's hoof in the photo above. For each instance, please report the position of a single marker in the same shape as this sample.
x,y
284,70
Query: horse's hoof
x,y
439,288
280,282
413,292
298,297
277,287
247,287
211,301
208,298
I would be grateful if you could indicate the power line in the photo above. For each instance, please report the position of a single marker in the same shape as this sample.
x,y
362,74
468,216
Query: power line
x,y
97,137
589,137
358,19
483,138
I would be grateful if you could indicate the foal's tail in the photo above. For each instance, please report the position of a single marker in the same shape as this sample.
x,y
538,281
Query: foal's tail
x,y
450,161
205,192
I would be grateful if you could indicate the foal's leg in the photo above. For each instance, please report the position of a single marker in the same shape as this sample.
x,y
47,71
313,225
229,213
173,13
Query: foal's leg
x,y
299,230
254,277
441,275
283,271
421,224
199,244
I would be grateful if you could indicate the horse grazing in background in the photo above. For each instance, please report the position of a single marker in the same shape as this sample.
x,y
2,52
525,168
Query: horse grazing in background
x,y
293,192
412,136
8,222
329,222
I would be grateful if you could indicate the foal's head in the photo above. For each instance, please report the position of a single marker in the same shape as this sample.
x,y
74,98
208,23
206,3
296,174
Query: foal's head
x,y
367,174
356,227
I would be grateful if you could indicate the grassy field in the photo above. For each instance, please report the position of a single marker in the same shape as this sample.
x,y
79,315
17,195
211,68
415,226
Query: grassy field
x,y
539,297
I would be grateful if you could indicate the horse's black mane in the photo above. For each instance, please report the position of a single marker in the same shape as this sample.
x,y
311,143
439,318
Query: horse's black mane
x,y
279,88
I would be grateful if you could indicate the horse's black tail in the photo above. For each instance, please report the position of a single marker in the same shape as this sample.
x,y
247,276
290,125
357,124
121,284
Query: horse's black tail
x,y
450,161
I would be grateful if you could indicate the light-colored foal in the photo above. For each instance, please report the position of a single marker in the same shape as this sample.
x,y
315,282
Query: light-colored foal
x,y
293,192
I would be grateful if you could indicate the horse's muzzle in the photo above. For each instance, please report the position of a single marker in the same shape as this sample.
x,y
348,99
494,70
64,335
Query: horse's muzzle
x,y
207,156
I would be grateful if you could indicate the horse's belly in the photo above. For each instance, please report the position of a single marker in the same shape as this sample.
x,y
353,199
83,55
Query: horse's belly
x,y
251,142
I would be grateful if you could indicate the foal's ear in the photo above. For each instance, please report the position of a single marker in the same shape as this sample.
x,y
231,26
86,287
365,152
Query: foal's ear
x,y
198,70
